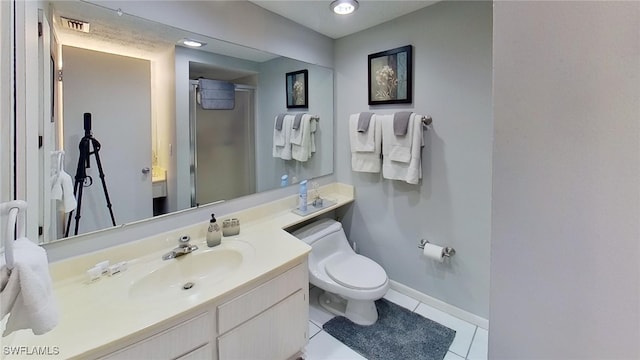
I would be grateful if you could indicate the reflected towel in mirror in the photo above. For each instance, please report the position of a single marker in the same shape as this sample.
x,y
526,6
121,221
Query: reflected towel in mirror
x,y
302,142
62,189
282,139
216,94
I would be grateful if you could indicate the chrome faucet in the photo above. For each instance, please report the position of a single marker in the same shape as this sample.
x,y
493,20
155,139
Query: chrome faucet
x,y
183,248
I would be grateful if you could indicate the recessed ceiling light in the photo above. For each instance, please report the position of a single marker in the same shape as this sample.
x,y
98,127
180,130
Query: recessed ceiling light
x,y
344,7
192,43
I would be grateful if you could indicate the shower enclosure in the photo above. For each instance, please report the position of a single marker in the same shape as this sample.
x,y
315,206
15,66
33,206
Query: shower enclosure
x,y
222,148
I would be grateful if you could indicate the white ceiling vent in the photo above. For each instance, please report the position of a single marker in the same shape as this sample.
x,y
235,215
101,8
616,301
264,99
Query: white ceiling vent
x,y
77,25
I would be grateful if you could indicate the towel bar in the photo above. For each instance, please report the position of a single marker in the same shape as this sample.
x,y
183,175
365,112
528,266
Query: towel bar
x,y
426,120
13,209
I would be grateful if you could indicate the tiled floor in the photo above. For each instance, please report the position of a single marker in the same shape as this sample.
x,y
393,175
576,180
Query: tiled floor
x,y
470,341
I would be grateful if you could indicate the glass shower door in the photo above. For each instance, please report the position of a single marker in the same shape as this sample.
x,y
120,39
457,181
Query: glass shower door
x,y
224,159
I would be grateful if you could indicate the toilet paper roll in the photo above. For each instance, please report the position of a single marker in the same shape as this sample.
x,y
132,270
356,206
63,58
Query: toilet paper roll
x,y
434,252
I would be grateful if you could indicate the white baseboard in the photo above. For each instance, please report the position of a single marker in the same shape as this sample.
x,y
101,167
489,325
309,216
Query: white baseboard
x,y
440,305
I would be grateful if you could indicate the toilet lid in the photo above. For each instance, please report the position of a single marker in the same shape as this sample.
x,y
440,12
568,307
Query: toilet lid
x,y
356,272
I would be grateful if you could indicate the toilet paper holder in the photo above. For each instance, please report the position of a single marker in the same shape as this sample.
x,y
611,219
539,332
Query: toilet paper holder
x,y
446,251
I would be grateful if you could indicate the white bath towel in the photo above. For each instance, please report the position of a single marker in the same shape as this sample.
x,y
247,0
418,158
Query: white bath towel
x,y
56,187
282,139
62,189
362,141
302,142
369,161
297,133
411,171
27,294
394,147
279,132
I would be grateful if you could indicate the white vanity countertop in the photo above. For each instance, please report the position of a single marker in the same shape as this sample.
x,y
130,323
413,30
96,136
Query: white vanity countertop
x,y
101,314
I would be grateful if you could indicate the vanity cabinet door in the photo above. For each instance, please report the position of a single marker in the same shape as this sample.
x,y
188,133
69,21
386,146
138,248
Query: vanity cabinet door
x,y
203,353
171,343
242,308
277,333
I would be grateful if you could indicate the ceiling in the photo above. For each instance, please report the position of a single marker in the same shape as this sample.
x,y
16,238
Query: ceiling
x,y
317,15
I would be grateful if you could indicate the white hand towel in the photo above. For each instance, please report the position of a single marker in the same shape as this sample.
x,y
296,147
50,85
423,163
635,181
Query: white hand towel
x,y
56,187
362,141
278,134
27,294
410,172
394,147
302,150
282,146
298,134
68,198
369,162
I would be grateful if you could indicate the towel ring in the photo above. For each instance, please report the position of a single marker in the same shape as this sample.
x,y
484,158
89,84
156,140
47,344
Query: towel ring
x,y
13,209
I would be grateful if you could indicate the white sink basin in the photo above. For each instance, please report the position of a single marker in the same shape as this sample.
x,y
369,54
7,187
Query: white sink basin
x,y
203,267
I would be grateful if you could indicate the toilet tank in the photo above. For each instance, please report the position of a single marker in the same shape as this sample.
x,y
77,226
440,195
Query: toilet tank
x,y
326,237
317,230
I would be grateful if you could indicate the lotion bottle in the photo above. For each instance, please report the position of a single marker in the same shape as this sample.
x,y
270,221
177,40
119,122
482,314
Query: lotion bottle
x,y
302,204
214,234
284,180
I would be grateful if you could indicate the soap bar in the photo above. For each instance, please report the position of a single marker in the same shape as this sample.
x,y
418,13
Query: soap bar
x,y
103,266
94,273
116,268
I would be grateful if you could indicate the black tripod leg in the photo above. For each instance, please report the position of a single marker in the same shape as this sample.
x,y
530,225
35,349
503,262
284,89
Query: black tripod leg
x,y
76,188
81,175
104,184
78,209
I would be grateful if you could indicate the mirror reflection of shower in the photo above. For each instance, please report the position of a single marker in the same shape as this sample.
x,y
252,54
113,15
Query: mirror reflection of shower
x,y
222,145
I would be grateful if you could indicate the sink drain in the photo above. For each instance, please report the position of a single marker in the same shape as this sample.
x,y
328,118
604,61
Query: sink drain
x,y
187,286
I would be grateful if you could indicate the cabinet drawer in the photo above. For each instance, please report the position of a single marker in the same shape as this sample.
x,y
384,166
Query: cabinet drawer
x,y
170,343
260,339
250,304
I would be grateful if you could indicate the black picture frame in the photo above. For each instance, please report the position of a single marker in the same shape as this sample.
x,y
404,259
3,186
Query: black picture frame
x,y
297,89
390,76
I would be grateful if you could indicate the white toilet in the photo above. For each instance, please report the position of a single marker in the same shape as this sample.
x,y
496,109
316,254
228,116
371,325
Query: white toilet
x,y
351,282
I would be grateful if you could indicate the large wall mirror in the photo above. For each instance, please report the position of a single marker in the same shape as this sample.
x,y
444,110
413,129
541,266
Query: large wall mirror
x,y
158,149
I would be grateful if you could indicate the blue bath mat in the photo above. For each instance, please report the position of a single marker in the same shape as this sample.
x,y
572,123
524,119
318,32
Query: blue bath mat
x,y
398,334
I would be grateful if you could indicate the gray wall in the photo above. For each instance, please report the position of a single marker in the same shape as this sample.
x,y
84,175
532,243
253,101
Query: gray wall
x,y
272,101
565,279
452,204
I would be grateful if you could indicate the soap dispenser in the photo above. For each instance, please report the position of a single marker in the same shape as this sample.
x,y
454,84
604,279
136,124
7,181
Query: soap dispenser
x,y
214,234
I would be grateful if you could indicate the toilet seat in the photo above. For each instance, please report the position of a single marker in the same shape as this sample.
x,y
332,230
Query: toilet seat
x,y
356,272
